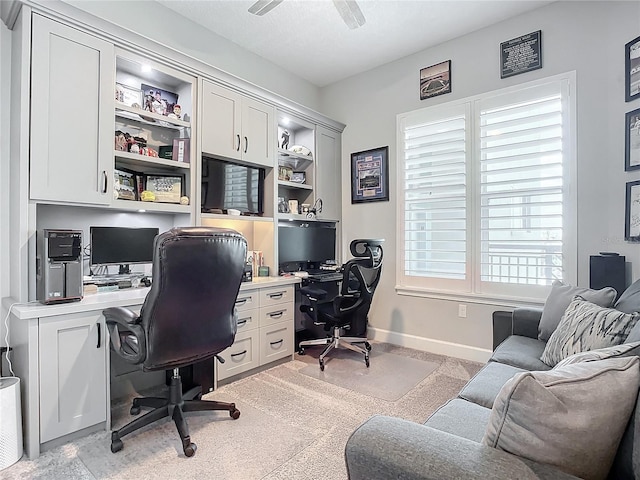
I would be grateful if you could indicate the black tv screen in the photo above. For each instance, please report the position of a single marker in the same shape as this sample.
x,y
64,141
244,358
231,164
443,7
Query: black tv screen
x,y
121,245
227,185
301,243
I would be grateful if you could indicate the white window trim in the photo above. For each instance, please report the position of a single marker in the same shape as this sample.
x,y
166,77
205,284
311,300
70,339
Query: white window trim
x,y
570,210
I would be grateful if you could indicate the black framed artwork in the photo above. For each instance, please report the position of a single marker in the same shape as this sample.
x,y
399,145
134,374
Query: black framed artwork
x,y
632,140
521,54
435,80
370,175
632,69
632,212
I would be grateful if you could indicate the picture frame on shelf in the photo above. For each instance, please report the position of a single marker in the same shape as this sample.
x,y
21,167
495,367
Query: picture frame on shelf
x,y
125,185
298,177
632,69
632,140
632,212
166,188
129,96
158,100
435,80
370,175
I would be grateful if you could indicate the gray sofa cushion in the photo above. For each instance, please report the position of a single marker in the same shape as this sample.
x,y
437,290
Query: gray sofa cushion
x,y
629,301
521,352
486,384
461,418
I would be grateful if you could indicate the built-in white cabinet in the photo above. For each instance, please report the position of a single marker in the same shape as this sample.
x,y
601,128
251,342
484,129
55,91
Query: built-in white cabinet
x,y
237,127
71,116
328,172
73,374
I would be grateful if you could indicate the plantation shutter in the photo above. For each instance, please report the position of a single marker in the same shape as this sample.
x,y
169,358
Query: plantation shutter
x,y
435,194
521,186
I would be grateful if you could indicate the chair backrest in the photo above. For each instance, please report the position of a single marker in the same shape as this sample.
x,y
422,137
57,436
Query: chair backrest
x,y
189,312
360,277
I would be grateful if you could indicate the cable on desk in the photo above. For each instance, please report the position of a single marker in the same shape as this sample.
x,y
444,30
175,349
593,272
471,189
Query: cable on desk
x,y
6,333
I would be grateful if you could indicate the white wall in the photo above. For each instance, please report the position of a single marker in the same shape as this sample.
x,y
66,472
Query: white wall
x,y
587,37
5,65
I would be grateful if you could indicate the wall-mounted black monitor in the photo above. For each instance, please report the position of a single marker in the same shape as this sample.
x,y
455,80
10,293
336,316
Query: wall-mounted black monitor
x,y
227,185
121,246
304,243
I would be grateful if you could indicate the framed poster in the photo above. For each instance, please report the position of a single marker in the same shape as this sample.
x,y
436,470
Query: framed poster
x,y
632,140
435,80
521,54
370,175
632,69
632,212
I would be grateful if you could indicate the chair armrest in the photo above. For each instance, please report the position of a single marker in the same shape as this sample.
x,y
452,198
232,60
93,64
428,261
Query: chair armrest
x,y
386,447
526,321
126,334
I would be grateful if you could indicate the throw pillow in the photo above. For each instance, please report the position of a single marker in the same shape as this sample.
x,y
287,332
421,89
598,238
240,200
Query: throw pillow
x,y
559,299
629,301
572,417
616,351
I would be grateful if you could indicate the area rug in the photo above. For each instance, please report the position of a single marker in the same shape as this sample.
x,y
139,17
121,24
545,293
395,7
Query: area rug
x,y
389,376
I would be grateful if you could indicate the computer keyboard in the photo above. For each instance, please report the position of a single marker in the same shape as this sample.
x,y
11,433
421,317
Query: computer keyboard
x,y
325,276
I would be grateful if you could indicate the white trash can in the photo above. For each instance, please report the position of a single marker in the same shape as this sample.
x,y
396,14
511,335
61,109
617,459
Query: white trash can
x,y
10,421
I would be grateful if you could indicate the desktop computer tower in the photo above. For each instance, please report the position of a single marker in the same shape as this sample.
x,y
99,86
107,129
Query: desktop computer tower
x,y
59,266
607,271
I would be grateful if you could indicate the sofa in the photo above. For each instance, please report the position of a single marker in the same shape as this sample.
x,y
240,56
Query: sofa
x,y
449,444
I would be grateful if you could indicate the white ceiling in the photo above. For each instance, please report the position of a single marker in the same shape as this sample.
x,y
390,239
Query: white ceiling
x,y
309,39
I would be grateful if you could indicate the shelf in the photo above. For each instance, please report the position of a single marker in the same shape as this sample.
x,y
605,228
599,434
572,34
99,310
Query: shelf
x,y
246,218
299,186
150,118
299,217
151,206
293,160
138,160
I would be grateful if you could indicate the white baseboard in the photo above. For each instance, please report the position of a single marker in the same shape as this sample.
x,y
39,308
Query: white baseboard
x,y
430,345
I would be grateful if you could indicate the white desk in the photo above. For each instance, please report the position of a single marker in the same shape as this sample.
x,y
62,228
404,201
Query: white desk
x,y
61,354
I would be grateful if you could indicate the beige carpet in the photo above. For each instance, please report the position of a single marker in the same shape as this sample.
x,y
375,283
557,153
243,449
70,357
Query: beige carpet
x,y
292,426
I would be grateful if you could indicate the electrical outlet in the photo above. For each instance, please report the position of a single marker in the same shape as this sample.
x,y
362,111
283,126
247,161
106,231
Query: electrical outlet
x,y
462,311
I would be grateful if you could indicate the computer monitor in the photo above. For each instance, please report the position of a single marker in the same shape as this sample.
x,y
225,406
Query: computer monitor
x,y
302,244
122,246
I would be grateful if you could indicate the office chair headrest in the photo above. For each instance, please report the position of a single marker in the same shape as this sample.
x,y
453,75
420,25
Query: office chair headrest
x,y
367,248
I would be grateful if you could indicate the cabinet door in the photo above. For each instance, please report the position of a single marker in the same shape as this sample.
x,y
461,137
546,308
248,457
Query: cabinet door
x,y
221,129
72,95
328,172
73,375
258,132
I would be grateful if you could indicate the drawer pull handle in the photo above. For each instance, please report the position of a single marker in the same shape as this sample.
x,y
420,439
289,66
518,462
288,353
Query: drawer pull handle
x,y
239,353
276,296
241,302
276,314
273,344
242,322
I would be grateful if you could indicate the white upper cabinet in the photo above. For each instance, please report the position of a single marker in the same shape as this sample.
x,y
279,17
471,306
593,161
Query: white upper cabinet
x,y
237,127
328,172
72,84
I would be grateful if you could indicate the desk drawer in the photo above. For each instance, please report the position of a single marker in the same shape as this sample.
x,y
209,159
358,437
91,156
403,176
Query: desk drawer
x,y
276,314
248,319
243,355
276,295
276,341
247,300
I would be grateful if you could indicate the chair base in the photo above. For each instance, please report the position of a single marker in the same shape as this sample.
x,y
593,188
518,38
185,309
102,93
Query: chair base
x,y
174,406
336,341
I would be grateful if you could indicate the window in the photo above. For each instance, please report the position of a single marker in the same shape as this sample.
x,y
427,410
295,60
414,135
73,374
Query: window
x,y
485,205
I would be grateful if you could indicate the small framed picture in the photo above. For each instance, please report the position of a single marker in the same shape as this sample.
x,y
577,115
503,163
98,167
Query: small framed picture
x,y
158,100
632,212
370,175
632,69
435,80
166,188
298,177
124,185
632,140
131,97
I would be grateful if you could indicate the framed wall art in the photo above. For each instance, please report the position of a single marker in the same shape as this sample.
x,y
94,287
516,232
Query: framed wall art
x,y
632,69
632,140
435,80
370,175
632,212
521,54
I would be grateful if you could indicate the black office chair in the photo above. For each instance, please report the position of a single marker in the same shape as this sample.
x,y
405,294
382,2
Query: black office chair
x,y
188,316
349,309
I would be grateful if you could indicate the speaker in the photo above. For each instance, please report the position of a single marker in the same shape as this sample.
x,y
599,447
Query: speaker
x,y
607,271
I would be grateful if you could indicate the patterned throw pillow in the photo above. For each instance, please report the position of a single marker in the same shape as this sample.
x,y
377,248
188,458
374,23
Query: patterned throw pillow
x,y
616,351
586,326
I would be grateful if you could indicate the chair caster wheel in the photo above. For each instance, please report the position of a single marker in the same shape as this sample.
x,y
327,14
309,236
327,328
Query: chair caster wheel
x,y
366,361
198,397
235,413
116,445
367,345
190,450
322,365
134,410
301,351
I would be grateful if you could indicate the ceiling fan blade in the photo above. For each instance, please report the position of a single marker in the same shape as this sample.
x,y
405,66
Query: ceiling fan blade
x,y
350,13
264,6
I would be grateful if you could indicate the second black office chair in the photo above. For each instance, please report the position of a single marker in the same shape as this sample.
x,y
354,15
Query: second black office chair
x,y
188,316
349,309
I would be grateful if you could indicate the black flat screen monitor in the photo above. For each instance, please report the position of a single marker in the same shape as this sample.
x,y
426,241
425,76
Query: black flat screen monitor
x,y
305,243
228,185
122,245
